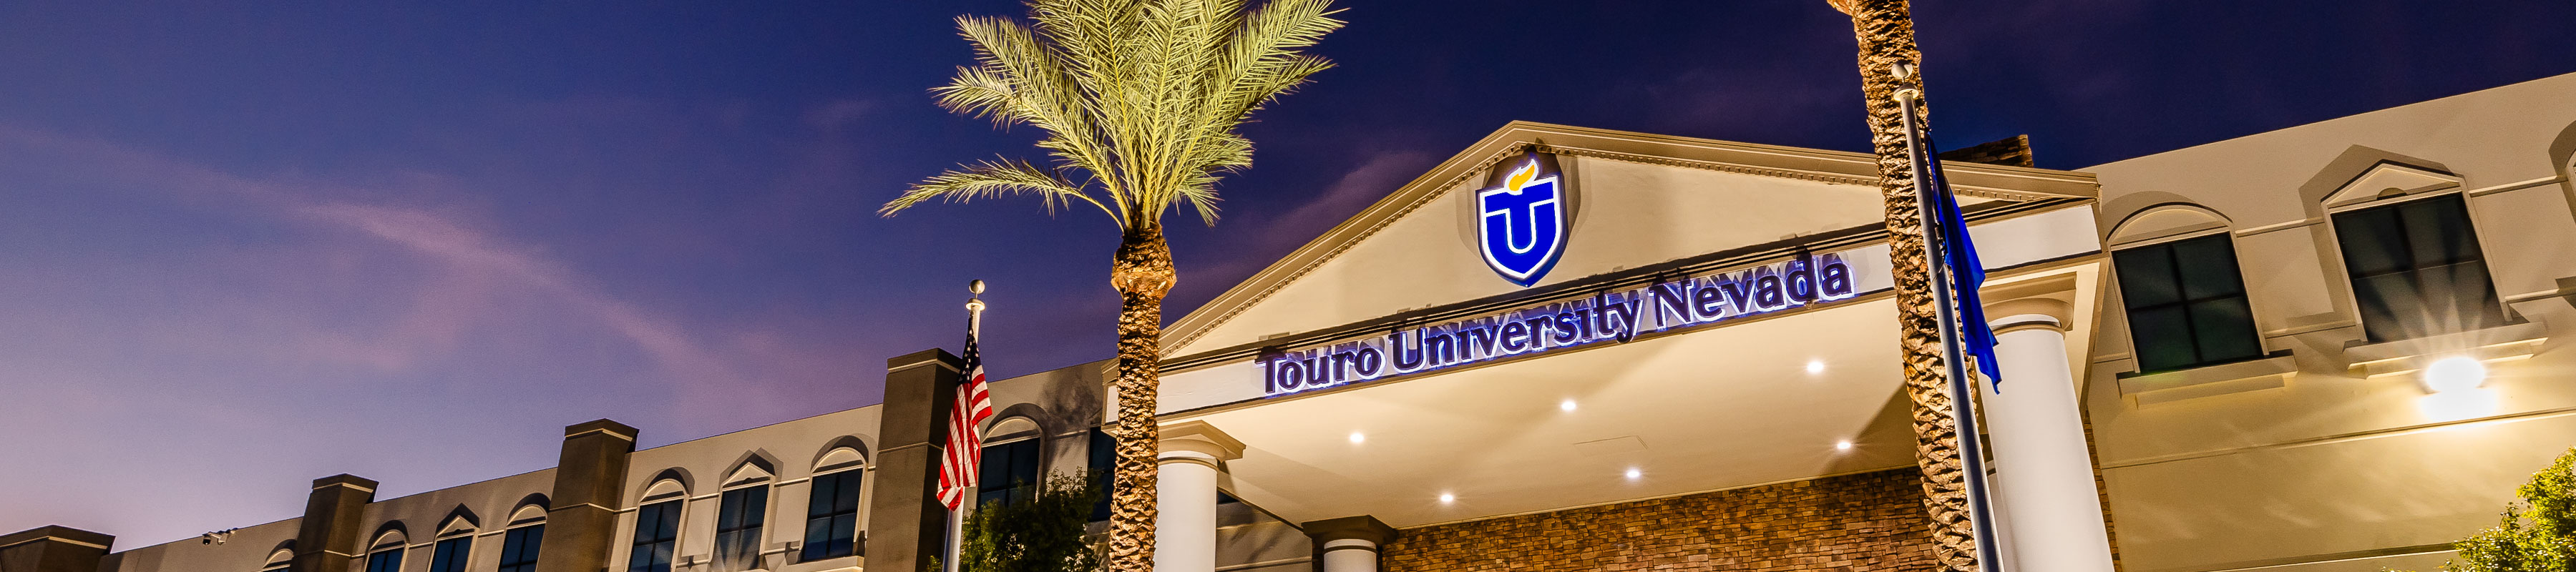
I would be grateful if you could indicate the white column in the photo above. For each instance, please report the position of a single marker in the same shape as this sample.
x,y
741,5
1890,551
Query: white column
x,y
2044,474
1185,497
1350,555
1351,543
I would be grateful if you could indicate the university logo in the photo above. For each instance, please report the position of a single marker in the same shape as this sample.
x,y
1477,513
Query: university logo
x,y
1520,223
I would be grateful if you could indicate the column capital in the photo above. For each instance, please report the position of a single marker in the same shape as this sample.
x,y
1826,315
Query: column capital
x,y
1362,527
1200,438
2028,313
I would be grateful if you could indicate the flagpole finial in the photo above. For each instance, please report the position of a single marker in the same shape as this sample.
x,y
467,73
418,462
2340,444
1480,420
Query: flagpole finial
x,y
975,303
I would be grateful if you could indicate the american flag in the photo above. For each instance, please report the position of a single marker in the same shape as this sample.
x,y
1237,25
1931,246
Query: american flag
x,y
958,468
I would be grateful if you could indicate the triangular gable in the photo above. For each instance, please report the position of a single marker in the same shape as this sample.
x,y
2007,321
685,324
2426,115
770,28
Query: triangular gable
x,y
2388,179
1645,198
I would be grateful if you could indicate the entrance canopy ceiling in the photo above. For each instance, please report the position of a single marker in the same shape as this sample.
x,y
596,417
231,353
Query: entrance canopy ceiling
x,y
1747,404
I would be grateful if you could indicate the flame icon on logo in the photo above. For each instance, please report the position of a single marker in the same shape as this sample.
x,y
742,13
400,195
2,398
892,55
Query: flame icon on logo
x,y
1520,179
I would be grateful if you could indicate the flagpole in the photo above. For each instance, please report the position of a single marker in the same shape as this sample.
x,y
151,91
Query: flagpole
x,y
1962,394
957,517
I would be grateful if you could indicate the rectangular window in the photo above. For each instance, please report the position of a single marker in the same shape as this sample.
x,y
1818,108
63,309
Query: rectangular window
x,y
1104,458
387,560
449,555
2417,270
657,533
2186,304
519,548
738,519
1009,474
832,517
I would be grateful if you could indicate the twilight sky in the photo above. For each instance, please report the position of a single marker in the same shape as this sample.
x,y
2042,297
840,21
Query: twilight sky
x,y
242,248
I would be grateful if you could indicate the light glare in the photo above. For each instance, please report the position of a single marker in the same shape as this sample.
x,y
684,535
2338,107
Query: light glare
x,y
1842,445
1634,474
1566,406
2454,373
1357,438
1446,498
1815,366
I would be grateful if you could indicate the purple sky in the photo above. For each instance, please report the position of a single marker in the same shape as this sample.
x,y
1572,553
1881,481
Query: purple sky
x,y
242,248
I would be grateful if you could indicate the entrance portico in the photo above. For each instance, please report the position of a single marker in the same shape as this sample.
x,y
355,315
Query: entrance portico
x,y
1736,408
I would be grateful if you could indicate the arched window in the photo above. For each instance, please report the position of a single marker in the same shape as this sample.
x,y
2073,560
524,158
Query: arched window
x,y
2183,290
278,560
386,553
1011,463
832,508
526,534
657,527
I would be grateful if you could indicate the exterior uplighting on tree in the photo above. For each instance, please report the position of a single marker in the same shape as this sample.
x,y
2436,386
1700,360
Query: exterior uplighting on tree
x,y
1139,102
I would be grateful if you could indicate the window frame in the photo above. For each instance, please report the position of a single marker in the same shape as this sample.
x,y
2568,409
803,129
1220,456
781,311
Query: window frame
x,y
1023,493
758,527
809,551
535,547
678,512
2129,325
393,554
462,559
2343,272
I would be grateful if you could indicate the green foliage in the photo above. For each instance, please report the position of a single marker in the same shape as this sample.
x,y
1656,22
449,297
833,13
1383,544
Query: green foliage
x,y
1139,99
2537,536
1042,534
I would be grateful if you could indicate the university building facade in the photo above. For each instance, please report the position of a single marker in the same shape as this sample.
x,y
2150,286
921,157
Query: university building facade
x,y
2333,347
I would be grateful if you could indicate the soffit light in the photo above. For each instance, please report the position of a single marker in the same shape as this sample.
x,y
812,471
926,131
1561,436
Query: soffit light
x,y
2455,373
1842,445
1358,438
1566,406
1815,366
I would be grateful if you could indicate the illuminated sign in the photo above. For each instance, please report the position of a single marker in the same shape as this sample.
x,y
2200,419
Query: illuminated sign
x,y
1521,220
1607,316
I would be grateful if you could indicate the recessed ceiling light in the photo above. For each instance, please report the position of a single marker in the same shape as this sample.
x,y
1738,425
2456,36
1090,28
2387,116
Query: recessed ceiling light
x,y
1358,438
1634,474
1446,498
1815,366
1566,405
1842,445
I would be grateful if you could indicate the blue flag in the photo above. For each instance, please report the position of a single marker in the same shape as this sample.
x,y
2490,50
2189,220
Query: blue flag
x,y
1966,273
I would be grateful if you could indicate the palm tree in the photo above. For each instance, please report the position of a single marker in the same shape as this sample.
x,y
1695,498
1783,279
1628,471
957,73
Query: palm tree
x,y
1139,101
1885,30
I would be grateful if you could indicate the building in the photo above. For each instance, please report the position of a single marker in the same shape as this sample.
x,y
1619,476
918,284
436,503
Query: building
x,y
2323,348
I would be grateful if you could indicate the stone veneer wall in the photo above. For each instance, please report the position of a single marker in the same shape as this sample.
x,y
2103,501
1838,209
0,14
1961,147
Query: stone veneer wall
x,y
1869,521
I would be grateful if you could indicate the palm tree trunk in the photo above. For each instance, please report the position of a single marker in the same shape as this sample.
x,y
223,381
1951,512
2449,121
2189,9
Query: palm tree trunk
x,y
1885,31
1142,272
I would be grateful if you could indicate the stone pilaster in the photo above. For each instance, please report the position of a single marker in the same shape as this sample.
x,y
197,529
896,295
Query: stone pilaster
x,y
907,527
329,538
590,487
53,549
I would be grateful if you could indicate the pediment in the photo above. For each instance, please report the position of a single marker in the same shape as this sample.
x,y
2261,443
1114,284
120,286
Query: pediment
x,y
2388,179
1638,200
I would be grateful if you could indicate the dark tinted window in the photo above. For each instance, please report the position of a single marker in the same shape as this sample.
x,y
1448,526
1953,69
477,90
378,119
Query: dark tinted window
x,y
387,560
657,533
832,517
1010,473
449,555
2417,270
1104,458
738,519
519,548
2186,304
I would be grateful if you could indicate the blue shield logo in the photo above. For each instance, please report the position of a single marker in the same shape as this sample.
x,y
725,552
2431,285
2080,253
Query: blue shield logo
x,y
1520,224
